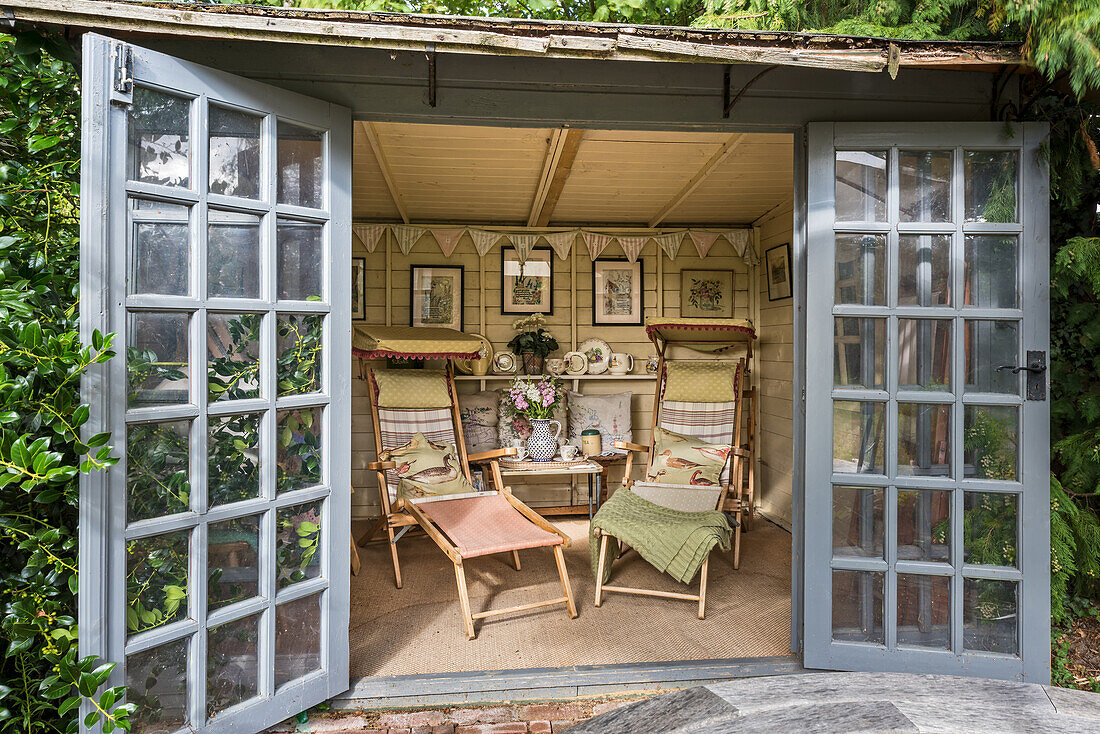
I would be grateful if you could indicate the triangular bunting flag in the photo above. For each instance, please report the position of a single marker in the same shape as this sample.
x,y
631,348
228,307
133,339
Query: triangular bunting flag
x,y
523,243
670,243
632,246
483,241
407,237
739,239
369,234
595,243
561,242
447,239
703,241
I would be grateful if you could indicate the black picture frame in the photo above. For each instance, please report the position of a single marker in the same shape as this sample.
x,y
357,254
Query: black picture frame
x,y
457,307
639,267
358,289
780,289
544,254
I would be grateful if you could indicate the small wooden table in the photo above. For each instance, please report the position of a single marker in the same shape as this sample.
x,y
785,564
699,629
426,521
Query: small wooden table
x,y
592,469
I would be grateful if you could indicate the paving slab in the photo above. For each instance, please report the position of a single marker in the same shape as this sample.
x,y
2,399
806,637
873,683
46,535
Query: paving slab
x,y
843,703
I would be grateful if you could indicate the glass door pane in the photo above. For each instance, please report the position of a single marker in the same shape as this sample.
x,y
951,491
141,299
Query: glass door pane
x,y
916,444
228,608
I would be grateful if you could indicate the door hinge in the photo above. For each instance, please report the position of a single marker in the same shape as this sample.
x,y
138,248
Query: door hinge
x,y
122,85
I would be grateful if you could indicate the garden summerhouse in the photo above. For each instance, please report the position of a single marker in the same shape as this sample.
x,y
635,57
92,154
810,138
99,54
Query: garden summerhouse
x,y
272,198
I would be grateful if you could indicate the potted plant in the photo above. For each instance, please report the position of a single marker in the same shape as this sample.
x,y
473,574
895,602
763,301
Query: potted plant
x,y
532,343
536,402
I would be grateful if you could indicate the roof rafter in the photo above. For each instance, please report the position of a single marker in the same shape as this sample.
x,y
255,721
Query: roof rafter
x,y
384,165
561,151
733,142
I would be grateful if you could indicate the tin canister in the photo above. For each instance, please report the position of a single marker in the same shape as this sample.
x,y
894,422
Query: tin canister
x,y
591,443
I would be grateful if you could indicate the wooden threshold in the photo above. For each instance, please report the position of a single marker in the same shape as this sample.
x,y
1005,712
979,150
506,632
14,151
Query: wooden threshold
x,y
551,684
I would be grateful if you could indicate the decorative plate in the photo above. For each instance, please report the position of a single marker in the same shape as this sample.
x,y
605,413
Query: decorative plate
x,y
466,366
598,353
504,363
576,363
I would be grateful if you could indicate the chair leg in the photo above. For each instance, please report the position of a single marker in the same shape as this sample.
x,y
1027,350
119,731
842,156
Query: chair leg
x,y
599,569
355,565
369,535
737,541
396,562
703,587
559,558
515,560
464,601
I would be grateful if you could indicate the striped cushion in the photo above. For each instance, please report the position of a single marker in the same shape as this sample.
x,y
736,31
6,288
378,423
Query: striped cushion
x,y
399,425
712,422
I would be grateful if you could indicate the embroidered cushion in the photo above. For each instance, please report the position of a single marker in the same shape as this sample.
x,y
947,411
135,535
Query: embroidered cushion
x,y
412,389
480,415
609,414
427,468
679,459
700,382
513,426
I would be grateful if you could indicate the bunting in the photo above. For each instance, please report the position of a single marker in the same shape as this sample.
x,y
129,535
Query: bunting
x,y
670,243
369,234
632,246
484,241
562,242
703,241
523,243
741,240
595,242
447,239
407,236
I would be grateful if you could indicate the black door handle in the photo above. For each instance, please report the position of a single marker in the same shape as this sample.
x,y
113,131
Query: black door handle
x,y
1033,369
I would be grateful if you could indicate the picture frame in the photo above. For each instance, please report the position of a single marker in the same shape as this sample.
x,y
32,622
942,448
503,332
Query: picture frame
x,y
358,288
531,292
706,294
777,271
436,296
618,292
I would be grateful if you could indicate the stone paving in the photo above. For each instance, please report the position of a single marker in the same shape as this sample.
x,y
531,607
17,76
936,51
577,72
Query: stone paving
x,y
826,703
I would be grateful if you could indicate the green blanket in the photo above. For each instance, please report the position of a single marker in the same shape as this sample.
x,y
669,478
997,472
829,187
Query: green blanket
x,y
674,542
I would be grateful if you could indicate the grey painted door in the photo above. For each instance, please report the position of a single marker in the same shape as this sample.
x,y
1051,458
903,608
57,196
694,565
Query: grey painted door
x,y
927,457
216,244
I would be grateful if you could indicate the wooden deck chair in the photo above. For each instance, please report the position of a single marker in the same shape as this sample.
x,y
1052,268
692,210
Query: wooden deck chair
x,y
714,422
466,525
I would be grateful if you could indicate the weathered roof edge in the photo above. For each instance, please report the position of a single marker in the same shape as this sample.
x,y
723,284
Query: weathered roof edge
x,y
504,36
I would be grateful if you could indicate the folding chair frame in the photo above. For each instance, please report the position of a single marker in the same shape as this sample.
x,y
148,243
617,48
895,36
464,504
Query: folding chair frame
x,y
398,517
727,502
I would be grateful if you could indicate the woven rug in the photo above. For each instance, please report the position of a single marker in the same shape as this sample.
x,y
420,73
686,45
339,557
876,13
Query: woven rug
x,y
417,629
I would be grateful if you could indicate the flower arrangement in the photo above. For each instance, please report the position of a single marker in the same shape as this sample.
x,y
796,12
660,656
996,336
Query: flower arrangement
x,y
532,336
535,400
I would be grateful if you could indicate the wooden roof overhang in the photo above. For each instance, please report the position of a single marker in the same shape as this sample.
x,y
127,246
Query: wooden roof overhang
x,y
502,36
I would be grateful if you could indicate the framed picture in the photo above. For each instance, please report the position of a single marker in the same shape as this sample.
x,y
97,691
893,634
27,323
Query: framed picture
x,y
527,287
617,292
435,296
706,294
777,263
358,288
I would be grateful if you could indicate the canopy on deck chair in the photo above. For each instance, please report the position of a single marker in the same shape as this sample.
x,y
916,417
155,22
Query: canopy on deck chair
x,y
713,336
413,342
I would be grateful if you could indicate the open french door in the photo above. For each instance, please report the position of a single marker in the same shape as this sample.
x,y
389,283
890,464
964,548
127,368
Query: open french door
x,y
927,456
215,241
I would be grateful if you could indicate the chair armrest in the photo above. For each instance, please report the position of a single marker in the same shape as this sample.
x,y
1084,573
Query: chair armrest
x,y
382,465
631,446
492,454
